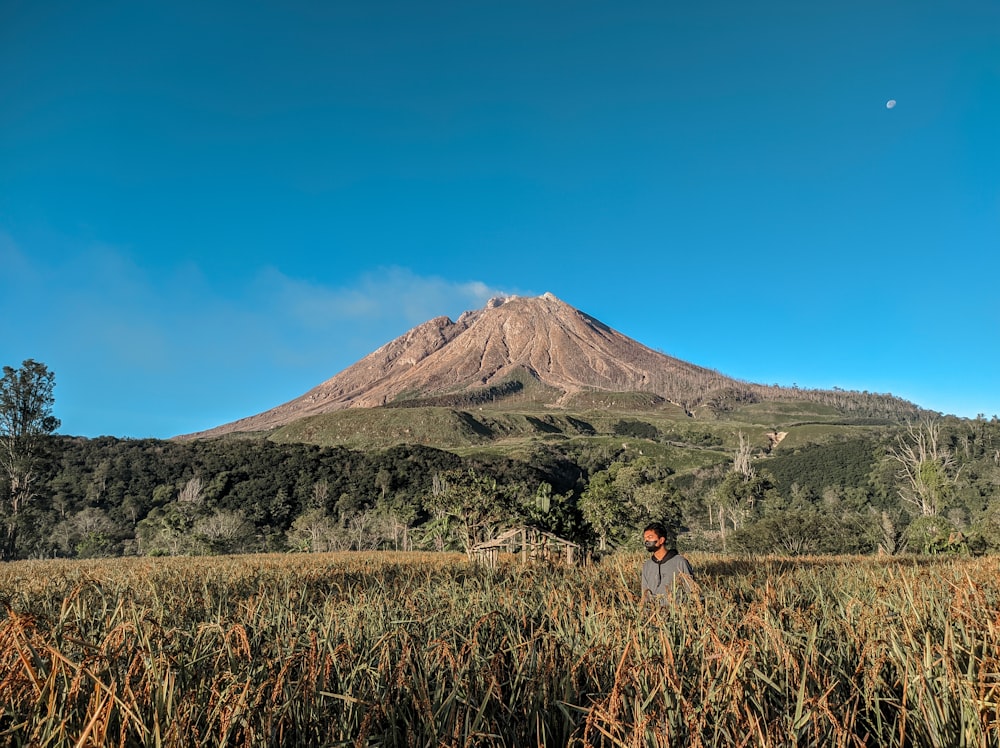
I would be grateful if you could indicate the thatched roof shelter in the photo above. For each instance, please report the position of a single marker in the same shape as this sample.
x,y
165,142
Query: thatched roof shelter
x,y
528,544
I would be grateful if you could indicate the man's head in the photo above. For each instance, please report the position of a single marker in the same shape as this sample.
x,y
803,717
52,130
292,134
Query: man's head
x,y
654,536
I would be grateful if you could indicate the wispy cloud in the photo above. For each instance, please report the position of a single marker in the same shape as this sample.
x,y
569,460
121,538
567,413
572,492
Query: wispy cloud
x,y
15,265
134,316
118,332
388,294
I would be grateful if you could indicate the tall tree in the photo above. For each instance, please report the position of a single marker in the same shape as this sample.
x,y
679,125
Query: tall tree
x,y
474,501
627,495
602,508
25,420
927,468
741,489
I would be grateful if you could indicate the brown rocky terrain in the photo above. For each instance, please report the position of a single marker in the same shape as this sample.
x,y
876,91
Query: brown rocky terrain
x,y
541,337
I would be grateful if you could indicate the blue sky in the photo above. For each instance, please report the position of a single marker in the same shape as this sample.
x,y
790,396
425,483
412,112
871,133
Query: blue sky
x,y
208,208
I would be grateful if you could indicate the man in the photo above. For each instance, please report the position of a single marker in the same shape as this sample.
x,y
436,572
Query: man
x,y
665,569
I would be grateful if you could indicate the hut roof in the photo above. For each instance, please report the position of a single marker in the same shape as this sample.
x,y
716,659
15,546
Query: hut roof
x,y
511,534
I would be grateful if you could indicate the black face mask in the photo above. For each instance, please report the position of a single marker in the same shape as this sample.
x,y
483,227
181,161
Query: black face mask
x,y
651,545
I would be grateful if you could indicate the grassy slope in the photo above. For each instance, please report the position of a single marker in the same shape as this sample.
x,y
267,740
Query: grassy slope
x,y
516,429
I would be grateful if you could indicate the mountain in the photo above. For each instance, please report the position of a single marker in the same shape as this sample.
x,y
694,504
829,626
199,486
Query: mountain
x,y
540,344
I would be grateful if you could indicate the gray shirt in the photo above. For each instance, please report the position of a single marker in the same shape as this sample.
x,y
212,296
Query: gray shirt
x,y
661,577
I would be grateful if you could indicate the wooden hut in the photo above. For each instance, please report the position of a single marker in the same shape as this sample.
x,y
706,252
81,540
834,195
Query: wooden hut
x,y
528,544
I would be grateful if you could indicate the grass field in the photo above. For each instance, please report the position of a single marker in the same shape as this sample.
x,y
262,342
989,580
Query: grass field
x,y
427,650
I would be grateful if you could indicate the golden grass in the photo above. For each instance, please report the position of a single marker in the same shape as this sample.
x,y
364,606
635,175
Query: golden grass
x,y
427,650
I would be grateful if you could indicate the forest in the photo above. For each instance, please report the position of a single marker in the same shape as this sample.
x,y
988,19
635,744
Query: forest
x,y
111,497
925,486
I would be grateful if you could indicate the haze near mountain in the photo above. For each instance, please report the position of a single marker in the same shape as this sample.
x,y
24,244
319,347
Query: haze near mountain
x,y
517,342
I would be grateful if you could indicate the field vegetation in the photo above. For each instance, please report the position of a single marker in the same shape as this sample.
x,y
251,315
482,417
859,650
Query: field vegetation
x,y
426,649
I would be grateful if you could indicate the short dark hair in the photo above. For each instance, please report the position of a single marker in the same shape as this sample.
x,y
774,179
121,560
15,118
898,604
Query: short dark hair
x,y
658,528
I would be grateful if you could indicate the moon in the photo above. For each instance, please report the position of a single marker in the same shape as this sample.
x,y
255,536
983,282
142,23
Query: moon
x,y
890,103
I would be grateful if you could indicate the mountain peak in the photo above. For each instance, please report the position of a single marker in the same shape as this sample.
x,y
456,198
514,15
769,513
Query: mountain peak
x,y
512,337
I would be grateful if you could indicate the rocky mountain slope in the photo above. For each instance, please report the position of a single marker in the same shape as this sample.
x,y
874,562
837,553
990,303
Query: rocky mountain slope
x,y
539,340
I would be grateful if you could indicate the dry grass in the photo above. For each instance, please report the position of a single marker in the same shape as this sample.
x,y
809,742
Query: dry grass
x,y
425,650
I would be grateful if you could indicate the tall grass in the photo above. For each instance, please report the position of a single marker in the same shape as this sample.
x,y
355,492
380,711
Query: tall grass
x,y
427,650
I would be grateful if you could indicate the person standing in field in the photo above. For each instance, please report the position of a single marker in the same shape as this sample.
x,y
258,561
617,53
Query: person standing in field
x,y
665,570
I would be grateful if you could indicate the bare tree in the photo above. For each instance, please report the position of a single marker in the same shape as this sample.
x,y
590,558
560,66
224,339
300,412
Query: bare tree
x,y
191,493
223,531
926,467
320,495
742,465
891,539
88,532
363,528
396,522
314,530
737,494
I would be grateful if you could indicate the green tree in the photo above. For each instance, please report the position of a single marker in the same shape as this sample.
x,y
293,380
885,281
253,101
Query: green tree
x,y
792,532
628,494
929,534
476,503
601,507
165,531
89,533
26,420
986,531
552,512
168,529
741,491
739,500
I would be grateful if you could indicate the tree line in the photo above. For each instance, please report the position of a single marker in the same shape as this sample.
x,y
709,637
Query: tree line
x,y
931,486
